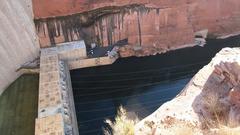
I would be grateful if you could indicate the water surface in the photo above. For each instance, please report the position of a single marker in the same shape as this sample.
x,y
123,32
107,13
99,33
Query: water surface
x,y
141,85
18,106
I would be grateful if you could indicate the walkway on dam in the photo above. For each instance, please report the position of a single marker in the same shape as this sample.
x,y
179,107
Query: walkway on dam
x,y
56,109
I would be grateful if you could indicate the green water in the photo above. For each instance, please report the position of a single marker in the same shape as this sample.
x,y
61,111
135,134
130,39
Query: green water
x,y
18,106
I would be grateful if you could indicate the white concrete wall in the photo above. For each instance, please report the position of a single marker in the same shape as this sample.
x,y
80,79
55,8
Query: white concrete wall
x,y
18,41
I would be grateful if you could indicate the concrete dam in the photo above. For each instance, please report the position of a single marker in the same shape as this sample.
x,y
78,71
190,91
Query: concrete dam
x,y
68,66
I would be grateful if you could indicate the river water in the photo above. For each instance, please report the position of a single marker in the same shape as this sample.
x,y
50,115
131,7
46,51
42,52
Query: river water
x,y
141,85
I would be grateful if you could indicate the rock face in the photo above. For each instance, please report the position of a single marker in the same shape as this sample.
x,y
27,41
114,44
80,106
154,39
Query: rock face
x,y
150,27
18,39
235,96
212,94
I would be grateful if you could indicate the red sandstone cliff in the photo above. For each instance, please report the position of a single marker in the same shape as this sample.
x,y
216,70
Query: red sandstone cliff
x,y
150,26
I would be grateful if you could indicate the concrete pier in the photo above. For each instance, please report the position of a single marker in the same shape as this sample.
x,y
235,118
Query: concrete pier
x,y
56,110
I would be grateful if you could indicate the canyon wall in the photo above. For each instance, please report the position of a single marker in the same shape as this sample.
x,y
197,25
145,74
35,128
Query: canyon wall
x,y
150,27
18,39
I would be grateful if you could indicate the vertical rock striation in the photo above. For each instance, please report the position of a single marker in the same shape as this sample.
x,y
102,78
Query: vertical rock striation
x,y
150,27
18,40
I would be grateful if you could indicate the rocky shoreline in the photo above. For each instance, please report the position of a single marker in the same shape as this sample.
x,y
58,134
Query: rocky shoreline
x,y
211,100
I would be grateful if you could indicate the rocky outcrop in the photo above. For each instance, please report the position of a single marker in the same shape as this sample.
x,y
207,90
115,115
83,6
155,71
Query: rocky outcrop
x,y
211,98
150,27
18,39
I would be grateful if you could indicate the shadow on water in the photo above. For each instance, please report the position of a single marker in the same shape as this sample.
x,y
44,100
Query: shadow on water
x,y
141,85
18,106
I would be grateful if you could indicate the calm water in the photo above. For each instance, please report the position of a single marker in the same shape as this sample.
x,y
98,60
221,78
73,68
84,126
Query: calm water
x,y
18,106
141,85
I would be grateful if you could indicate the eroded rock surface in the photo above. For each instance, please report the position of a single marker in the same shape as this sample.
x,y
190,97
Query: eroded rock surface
x,y
150,27
210,98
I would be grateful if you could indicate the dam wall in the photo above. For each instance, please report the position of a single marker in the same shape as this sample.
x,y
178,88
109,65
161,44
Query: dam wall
x,y
18,39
